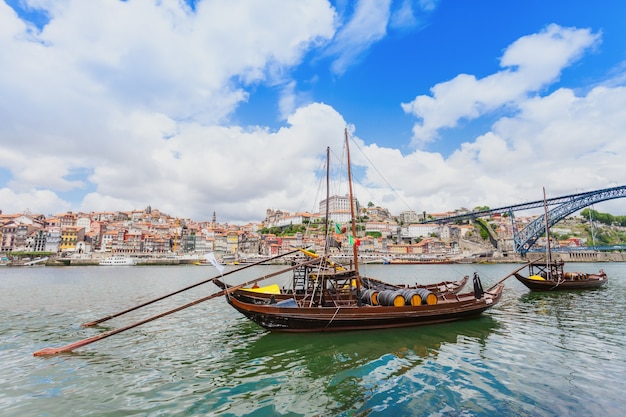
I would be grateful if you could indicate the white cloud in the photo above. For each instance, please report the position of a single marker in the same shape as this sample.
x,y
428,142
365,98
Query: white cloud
x,y
404,16
129,103
530,64
35,201
563,142
367,25
127,99
236,172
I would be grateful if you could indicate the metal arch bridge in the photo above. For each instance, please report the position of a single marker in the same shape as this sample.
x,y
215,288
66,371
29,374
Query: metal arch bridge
x,y
565,205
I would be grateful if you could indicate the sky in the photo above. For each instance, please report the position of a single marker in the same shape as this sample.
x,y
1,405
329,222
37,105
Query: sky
x,y
202,107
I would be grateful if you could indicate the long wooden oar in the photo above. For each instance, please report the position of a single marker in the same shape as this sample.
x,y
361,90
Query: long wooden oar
x,y
84,342
509,275
109,317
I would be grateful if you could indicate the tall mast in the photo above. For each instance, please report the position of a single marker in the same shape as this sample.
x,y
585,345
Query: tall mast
x,y
326,250
548,251
354,246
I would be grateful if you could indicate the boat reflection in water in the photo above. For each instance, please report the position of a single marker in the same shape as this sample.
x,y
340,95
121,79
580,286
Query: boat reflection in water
x,y
344,369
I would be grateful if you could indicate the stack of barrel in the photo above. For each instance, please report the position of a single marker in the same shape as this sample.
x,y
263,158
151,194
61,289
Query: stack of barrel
x,y
399,298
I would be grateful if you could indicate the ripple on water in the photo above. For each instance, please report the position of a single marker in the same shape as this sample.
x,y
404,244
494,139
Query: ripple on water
x,y
208,360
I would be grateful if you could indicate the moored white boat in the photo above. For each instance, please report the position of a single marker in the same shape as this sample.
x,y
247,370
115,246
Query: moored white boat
x,y
118,260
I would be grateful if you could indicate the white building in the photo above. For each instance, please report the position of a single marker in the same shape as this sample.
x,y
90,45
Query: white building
x,y
338,208
85,222
385,228
416,230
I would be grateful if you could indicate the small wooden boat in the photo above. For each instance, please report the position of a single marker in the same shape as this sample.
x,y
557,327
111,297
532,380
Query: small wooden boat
x,y
551,277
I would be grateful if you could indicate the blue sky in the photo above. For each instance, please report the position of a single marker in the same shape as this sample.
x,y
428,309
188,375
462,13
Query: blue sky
x,y
229,106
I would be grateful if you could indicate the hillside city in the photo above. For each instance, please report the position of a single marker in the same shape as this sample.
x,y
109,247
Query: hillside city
x,y
150,233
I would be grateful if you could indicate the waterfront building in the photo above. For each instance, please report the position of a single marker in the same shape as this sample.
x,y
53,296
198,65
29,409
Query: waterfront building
x,y
338,208
15,232
84,221
70,236
375,213
67,219
384,228
107,240
418,230
53,239
408,217
284,219
36,242
9,233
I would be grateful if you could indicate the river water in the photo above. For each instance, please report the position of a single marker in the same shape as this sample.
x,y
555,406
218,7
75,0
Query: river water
x,y
533,354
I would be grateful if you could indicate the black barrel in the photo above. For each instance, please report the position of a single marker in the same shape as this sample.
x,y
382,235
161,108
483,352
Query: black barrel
x,y
411,297
390,298
370,297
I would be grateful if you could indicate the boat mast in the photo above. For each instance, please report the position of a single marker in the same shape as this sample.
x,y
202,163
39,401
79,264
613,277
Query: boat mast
x,y
318,283
354,246
326,249
593,238
548,251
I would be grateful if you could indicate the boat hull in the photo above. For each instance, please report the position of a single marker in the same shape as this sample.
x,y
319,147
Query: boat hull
x,y
585,282
450,307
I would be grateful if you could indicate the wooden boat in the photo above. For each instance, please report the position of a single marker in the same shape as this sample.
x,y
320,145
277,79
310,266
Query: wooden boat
x,y
295,317
549,276
337,300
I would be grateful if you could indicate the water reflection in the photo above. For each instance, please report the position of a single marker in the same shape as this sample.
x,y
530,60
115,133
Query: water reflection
x,y
346,368
209,360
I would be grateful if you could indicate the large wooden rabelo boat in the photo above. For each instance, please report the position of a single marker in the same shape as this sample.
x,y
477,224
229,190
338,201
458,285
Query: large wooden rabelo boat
x,y
338,300
549,274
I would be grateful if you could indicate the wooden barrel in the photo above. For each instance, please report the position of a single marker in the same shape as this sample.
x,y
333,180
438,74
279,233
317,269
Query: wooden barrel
x,y
390,298
411,297
427,296
370,297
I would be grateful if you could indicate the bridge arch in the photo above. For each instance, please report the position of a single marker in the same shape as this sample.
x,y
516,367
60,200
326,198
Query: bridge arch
x,y
535,229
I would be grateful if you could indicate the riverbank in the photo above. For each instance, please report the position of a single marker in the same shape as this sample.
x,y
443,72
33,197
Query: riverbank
x,y
94,259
